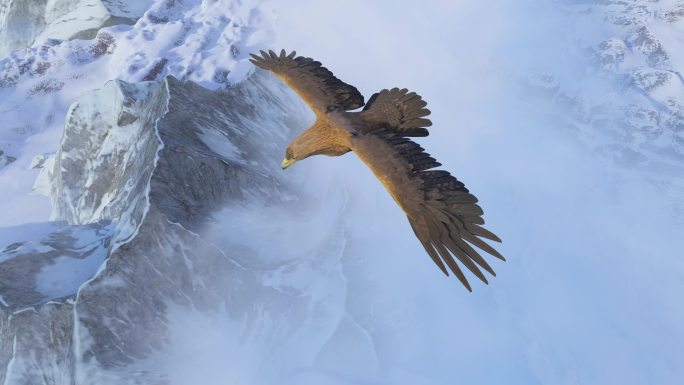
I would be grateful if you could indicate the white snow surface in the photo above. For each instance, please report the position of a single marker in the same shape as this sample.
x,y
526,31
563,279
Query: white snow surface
x,y
28,22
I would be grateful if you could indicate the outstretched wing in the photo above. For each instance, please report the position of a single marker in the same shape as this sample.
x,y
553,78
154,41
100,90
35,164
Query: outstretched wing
x,y
402,111
443,214
319,88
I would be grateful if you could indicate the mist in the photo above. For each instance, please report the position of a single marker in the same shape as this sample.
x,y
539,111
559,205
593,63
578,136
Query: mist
x,y
589,291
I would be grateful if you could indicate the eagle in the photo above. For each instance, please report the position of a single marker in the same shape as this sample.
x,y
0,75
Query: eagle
x,y
443,214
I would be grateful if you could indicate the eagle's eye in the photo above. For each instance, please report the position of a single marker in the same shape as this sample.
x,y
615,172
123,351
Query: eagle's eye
x,y
289,154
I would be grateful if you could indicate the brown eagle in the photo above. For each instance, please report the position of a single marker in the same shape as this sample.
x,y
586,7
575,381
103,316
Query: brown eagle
x,y
443,214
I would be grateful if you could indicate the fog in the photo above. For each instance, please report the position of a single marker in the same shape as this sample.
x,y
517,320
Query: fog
x,y
589,291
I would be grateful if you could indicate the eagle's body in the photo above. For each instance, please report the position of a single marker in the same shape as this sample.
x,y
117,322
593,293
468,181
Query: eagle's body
x,y
443,214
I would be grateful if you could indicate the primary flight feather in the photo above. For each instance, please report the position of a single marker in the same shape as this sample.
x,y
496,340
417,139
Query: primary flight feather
x,y
443,214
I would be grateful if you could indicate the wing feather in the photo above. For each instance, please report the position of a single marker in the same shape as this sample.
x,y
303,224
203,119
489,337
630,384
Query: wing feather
x,y
397,109
443,214
319,88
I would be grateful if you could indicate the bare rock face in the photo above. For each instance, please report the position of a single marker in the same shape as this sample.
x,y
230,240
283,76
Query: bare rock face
x,y
142,170
23,22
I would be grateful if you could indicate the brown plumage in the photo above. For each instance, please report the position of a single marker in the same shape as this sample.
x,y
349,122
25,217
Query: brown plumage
x,y
443,214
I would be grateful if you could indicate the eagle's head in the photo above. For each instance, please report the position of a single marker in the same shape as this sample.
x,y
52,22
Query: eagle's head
x,y
289,158
317,140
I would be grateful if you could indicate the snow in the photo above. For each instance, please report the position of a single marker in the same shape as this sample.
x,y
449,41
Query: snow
x,y
29,22
50,259
66,274
127,8
88,15
22,233
202,41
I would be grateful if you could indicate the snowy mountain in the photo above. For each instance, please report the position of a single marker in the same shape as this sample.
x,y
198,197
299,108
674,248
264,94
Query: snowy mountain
x,y
35,99
140,170
628,103
148,235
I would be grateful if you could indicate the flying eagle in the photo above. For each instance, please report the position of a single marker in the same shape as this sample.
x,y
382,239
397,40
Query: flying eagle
x,y
443,214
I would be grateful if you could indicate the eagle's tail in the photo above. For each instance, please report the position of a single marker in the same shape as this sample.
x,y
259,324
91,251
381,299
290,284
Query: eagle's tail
x,y
400,110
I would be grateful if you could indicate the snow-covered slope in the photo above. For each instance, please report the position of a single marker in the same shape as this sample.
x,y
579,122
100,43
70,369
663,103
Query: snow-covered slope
x,y
206,42
628,102
24,22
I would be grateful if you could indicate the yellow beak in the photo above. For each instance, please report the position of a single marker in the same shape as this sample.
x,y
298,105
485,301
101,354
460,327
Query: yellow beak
x,y
287,163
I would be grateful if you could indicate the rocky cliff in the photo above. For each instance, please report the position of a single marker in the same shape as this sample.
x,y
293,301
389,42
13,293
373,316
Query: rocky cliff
x,y
139,174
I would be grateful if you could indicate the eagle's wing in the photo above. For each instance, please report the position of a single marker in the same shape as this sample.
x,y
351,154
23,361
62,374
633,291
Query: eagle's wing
x,y
319,88
397,109
443,214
